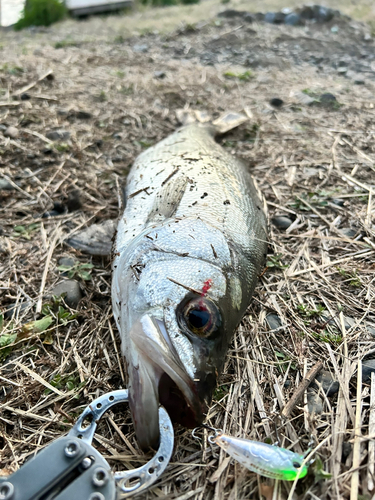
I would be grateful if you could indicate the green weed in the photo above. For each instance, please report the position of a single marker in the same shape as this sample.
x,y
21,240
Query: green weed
x,y
41,13
83,271
275,261
243,77
305,312
67,382
25,232
351,276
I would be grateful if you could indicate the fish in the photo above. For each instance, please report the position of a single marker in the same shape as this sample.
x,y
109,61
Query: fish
x,y
186,257
264,459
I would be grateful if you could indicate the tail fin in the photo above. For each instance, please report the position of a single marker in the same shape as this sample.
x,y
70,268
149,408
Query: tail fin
x,y
226,122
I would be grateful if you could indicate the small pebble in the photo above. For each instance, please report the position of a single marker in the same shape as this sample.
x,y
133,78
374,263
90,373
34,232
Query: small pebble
x,y
349,232
6,185
232,13
329,385
314,402
293,19
159,74
11,132
304,98
342,70
306,13
58,135
346,451
276,102
138,47
72,291
25,96
359,80
67,261
281,222
368,366
371,328
327,98
322,14
83,115
74,202
14,310
338,201
249,18
270,17
273,321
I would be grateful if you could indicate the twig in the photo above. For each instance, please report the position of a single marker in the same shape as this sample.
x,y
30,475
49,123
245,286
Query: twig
x,y
310,375
31,85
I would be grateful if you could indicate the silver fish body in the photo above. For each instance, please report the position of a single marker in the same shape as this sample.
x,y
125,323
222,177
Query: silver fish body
x,y
188,251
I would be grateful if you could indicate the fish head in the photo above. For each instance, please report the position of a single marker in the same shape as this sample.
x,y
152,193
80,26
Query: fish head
x,y
177,333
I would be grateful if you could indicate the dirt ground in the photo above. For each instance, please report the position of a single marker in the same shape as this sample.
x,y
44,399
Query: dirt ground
x,y
109,96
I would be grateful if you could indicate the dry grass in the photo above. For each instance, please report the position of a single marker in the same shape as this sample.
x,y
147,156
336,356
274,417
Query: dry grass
x,y
302,157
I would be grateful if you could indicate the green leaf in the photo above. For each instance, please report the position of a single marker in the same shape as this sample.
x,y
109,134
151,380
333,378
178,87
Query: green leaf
x,y
84,275
86,266
7,338
64,268
38,326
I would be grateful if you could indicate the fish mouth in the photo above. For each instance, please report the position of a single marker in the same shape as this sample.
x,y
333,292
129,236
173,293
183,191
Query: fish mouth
x,y
157,376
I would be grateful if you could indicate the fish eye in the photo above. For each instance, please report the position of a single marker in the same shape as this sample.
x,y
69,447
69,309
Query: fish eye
x,y
200,316
297,465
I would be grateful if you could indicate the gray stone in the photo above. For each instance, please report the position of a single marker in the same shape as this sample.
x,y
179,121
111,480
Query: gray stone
x,y
349,232
58,135
249,18
370,328
304,98
322,14
274,17
71,291
276,102
330,386
338,201
232,13
293,19
67,261
281,221
314,402
270,17
306,12
359,79
327,98
273,321
368,366
6,185
11,132
259,16
140,47
83,115
16,309
346,450
159,74
342,70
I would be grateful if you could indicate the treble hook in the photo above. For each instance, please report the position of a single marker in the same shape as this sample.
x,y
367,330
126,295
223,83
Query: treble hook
x,y
205,426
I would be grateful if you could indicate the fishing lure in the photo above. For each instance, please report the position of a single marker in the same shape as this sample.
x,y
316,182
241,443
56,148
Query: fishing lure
x,y
264,459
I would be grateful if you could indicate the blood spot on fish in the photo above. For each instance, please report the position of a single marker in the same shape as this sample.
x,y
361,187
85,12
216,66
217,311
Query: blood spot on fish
x,y
206,286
